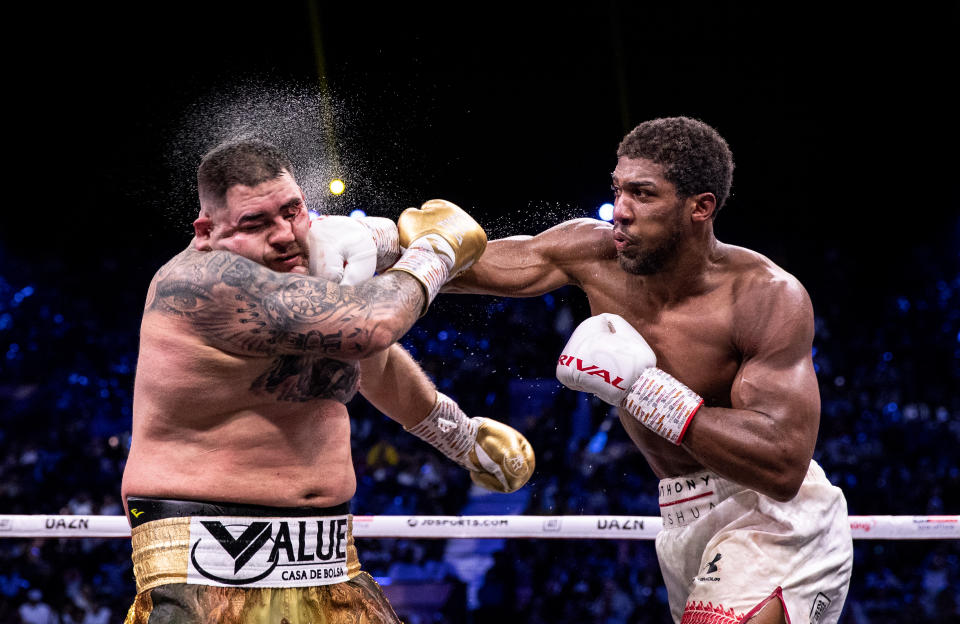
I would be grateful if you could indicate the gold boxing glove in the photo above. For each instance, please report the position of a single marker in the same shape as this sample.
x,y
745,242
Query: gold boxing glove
x,y
446,219
498,457
441,241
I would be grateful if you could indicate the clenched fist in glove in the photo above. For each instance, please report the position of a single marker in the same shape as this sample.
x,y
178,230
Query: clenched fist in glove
x,y
607,357
441,241
498,457
349,250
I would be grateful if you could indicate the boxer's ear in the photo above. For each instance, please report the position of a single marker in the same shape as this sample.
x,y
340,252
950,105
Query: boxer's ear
x,y
202,228
703,206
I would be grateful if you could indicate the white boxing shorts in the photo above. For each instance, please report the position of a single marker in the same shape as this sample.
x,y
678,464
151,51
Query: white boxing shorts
x,y
726,551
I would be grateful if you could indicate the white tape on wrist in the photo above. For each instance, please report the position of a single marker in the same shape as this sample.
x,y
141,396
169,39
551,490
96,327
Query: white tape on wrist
x,y
449,430
662,404
429,259
386,238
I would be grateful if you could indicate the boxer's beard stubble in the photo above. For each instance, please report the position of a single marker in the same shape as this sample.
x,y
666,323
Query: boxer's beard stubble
x,y
650,260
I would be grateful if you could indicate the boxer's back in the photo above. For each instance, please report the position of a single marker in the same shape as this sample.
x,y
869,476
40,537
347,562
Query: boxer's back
x,y
213,425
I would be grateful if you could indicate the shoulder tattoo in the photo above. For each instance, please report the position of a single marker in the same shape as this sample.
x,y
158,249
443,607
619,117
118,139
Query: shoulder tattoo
x,y
245,307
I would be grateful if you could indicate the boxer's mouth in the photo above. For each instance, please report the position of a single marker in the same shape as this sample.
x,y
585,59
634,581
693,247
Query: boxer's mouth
x,y
288,262
620,240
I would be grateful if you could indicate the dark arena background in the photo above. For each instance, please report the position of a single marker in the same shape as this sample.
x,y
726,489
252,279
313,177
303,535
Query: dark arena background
x,y
843,126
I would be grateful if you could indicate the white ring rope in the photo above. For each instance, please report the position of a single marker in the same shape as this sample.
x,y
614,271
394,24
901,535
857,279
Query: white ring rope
x,y
446,527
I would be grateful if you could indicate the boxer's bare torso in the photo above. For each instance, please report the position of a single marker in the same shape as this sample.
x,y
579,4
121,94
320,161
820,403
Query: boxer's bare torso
x,y
702,333
233,400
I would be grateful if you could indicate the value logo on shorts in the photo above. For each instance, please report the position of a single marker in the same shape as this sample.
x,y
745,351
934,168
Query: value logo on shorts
x,y
267,552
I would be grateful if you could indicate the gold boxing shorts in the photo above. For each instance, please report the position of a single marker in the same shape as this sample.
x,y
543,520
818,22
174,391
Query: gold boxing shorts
x,y
200,562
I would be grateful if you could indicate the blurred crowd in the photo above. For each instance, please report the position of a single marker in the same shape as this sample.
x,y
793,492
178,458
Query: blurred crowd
x,y
889,436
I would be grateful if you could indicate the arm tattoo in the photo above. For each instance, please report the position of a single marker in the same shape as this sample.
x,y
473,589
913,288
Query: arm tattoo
x,y
245,308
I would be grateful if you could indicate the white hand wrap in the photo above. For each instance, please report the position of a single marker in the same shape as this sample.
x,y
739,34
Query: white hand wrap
x,y
498,457
386,238
662,404
448,429
429,259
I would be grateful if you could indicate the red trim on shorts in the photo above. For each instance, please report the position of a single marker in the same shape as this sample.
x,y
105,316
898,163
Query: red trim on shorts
x,y
699,613
687,500
778,594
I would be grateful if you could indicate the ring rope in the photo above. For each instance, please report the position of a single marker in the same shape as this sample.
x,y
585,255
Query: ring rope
x,y
447,527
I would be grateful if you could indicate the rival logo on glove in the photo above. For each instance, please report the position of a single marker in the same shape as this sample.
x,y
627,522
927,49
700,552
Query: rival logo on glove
x,y
568,360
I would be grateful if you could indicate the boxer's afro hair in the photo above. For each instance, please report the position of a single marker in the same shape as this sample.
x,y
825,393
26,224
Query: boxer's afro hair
x,y
694,156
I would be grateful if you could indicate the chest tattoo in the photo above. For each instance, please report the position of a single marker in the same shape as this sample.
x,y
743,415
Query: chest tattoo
x,y
297,378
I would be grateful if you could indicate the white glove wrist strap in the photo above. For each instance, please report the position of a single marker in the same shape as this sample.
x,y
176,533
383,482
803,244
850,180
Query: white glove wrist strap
x,y
662,404
386,238
449,430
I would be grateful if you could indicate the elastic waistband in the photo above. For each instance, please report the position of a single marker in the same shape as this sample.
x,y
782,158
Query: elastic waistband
x,y
686,499
142,510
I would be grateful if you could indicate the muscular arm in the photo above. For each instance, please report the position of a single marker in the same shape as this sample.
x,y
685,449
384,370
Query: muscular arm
x,y
527,266
766,439
241,307
396,385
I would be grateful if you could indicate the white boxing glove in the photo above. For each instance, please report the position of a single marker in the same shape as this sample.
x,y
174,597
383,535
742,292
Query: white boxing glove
x,y
604,356
348,250
607,357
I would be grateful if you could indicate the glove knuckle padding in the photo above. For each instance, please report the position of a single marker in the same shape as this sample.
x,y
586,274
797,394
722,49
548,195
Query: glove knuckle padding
x,y
448,221
341,250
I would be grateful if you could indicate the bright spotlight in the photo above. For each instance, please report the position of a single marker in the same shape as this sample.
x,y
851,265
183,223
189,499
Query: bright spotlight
x,y
337,187
605,212
357,213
